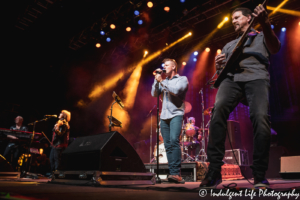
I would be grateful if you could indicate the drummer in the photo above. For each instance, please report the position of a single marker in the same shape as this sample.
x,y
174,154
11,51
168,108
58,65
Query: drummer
x,y
195,144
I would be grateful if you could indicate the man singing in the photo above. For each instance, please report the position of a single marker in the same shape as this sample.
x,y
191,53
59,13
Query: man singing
x,y
249,79
173,89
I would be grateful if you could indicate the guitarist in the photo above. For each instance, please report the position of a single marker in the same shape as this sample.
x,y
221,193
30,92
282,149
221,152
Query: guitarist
x,y
249,79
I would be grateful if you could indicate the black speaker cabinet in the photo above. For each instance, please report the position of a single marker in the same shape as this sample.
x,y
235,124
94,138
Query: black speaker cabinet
x,y
233,128
103,152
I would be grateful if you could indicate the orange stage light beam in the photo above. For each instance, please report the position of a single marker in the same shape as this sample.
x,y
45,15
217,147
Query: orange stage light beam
x,y
201,65
285,11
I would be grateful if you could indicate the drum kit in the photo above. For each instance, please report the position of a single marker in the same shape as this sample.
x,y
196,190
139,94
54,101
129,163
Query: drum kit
x,y
191,139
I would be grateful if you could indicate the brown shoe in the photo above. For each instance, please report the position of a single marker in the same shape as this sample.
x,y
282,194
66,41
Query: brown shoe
x,y
176,179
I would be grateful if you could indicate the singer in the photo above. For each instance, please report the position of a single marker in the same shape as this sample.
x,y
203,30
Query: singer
x,y
173,88
249,80
60,138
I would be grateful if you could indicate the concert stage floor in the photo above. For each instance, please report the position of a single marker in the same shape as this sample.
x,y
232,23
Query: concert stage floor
x,y
41,189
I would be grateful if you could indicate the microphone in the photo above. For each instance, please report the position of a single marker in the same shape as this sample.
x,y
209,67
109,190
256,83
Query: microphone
x,y
159,72
55,116
118,99
200,91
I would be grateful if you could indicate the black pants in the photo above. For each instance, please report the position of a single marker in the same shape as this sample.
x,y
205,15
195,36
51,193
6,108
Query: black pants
x,y
12,153
228,97
55,158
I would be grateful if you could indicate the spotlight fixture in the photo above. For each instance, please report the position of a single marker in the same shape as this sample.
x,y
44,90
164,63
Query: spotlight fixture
x,y
226,19
195,53
98,45
207,49
272,26
194,59
219,51
167,9
128,29
102,33
140,22
150,4
163,65
183,63
182,1
108,39
136,12
283,29
112,26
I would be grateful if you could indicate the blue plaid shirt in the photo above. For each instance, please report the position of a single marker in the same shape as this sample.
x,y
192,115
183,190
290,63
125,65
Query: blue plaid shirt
x,y
173,92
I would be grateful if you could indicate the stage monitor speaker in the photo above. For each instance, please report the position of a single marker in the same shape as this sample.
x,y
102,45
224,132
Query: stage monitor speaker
x,y
104,152
233,129
290,167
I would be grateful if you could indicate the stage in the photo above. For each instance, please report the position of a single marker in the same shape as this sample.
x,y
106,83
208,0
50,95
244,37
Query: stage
x,y
43,189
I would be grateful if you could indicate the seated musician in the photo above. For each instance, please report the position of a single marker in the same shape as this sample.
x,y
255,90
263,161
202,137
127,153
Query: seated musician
x,y
12,150
195,146
60,138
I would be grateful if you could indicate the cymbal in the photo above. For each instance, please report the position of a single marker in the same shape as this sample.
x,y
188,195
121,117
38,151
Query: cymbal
x,y
207,111
187,107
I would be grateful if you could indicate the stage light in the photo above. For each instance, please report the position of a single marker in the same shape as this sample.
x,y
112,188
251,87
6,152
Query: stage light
x,y
112,26
145,54
222,22
207,49
163,65
108,39
299,23
183,63
150,4
283,29
182,1
98,45
272,26
285,11
140,22
128,29
136,12
219,51
166,44
102,33
167,9
195,53
194,59
190,33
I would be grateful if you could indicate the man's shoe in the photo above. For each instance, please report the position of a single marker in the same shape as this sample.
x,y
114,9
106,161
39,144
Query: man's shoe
x,y
176,179
211,180
261,182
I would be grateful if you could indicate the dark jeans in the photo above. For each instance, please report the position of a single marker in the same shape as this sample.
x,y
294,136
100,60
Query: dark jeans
x,y
228,97
12,153
55,158
170,130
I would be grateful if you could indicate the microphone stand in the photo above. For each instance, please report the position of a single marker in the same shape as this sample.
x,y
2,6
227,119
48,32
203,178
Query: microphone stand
x,y
27,168
202,151
157,134
150,113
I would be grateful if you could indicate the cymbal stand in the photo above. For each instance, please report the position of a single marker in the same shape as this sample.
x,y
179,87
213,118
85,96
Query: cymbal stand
x,y
202,153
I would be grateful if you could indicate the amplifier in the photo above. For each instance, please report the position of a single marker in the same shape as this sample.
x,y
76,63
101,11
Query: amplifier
x,y
241,156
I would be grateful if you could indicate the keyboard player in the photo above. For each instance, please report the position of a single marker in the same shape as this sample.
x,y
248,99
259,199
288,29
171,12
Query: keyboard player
x,y
12,150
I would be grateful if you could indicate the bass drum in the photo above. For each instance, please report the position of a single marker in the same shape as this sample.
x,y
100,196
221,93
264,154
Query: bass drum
x,y
162,153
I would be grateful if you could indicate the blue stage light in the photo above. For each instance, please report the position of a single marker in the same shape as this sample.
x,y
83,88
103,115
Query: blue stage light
x,y
283,29
194,59
195,53
182,1
102,32
272,26
136,12
140,22
163,65
108,39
